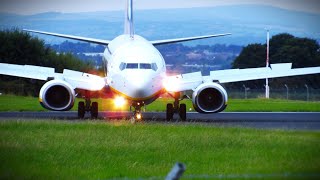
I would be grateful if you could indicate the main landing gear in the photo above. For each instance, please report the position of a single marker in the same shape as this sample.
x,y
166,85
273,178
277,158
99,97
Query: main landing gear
x,y
87,106
180,109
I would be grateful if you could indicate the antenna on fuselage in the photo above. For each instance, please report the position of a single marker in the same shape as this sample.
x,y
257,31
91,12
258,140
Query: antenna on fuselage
x,y
128,22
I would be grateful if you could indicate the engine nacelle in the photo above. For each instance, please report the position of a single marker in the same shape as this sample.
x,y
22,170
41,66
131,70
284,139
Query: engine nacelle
x,y
209,98
57,95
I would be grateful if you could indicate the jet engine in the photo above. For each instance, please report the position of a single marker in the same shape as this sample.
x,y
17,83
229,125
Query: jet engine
x,y
57,95
209,98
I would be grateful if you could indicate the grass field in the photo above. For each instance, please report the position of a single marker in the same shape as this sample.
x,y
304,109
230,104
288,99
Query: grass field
x,y
102,150
19,103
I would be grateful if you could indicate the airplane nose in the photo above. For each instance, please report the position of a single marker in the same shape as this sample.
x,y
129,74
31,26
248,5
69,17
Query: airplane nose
x,y
139,84
140,87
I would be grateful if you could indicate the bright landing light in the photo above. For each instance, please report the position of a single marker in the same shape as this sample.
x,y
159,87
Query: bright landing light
x,y
171,83
138,116
119,101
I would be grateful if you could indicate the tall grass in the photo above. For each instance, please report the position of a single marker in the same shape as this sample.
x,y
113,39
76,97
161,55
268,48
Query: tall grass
x,y
101,150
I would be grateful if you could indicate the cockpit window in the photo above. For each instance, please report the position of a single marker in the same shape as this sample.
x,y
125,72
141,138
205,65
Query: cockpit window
x,y
145,66
132,66
154,66
124,66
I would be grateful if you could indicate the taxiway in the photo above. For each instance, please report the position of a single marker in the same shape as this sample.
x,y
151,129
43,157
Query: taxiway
x,y
274,120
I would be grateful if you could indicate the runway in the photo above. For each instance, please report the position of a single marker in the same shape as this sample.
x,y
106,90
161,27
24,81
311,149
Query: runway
x,y
266,120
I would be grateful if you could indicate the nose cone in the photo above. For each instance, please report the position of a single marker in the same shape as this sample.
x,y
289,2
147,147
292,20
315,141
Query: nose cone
x,y
140,87
137,84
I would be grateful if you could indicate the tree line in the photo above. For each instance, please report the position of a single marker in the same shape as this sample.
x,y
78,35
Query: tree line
x,y
17,47
284,48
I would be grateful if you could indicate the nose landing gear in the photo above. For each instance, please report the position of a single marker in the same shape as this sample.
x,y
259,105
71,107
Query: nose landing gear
x,y
137,115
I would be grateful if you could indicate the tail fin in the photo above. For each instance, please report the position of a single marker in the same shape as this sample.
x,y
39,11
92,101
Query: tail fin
x,y
128,22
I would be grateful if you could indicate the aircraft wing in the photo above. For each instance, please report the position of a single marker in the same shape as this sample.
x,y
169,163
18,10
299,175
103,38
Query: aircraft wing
x,y
169,41
76,79
190,81
85,39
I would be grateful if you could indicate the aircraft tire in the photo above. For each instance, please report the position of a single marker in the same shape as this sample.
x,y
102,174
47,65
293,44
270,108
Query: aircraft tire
x,y
81,110
183,112
94,110
170,112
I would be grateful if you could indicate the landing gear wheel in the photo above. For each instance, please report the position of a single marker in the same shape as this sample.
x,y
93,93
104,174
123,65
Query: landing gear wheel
x,y
81,110
170,112
183,112
94,110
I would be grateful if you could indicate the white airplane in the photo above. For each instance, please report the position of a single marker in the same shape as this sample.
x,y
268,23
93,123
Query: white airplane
x,y
136,71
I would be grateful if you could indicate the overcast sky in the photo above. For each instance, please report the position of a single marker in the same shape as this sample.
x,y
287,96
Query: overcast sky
x,y
39,6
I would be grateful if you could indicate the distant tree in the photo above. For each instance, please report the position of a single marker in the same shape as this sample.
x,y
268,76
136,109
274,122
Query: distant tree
x,y
18,47
254,55
284,48
77,47
303,52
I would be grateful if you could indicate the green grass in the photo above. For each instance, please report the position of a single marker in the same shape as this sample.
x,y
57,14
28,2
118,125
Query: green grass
x,y
19,103
101,150
272,105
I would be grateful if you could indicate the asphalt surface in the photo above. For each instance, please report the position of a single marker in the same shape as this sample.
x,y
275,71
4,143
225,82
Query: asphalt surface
x,y
300,121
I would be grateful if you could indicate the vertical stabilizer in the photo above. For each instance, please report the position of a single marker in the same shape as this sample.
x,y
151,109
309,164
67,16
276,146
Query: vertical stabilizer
x,y
128,22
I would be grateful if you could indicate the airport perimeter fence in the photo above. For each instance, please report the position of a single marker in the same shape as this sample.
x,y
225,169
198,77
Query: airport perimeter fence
x,y
307,94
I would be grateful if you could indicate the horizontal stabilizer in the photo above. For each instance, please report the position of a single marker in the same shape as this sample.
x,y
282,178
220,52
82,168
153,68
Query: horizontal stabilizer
x,y
89,40
169,41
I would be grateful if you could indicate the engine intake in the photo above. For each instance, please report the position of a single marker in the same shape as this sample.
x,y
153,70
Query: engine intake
x,y
57,95
209,98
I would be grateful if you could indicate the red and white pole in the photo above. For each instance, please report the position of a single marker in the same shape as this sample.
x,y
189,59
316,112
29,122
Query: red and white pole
x,y
267,65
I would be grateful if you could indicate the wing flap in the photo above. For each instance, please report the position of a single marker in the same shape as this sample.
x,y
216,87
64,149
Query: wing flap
x,y
27,71
82,80
190,81
76,79
275,71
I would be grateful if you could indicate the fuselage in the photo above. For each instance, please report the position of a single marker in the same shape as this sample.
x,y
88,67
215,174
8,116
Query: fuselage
x,y
134,68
